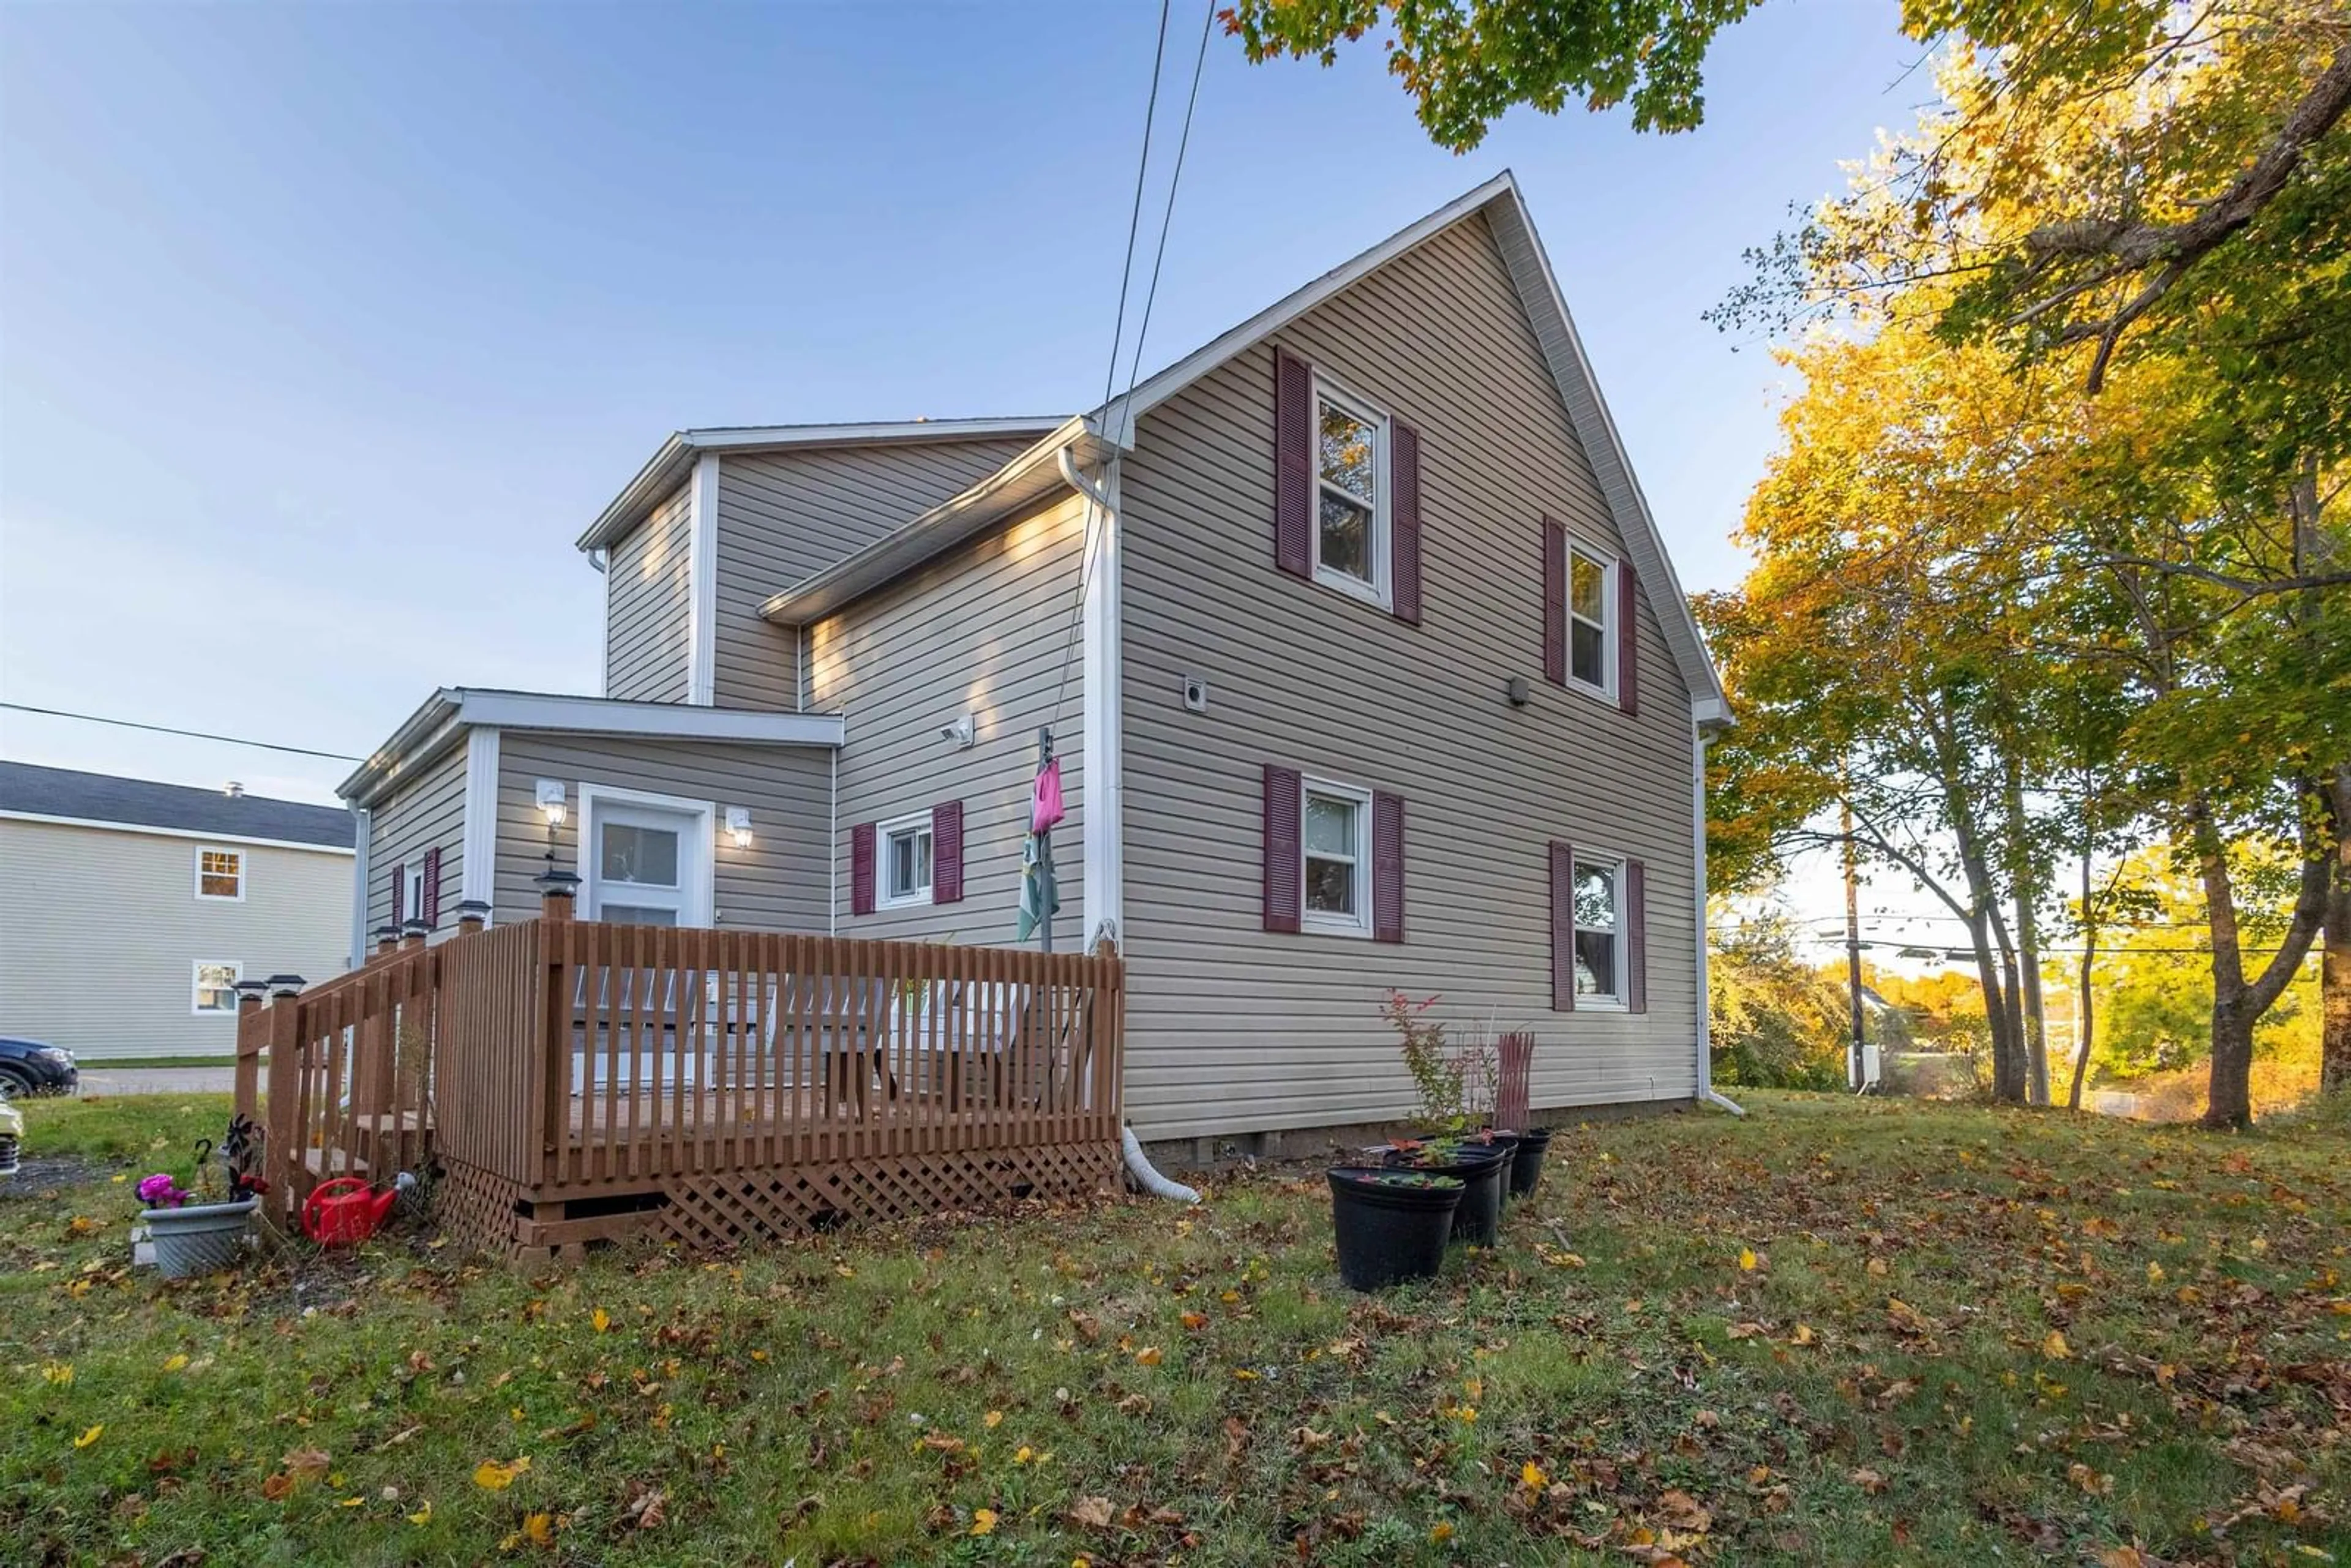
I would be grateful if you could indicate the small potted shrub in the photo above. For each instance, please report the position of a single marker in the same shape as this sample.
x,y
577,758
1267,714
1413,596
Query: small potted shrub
x,y
195,1230
1392,1225
1478,1165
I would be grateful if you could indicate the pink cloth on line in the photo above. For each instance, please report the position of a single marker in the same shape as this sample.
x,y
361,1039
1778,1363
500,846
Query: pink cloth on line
x,y
1045,804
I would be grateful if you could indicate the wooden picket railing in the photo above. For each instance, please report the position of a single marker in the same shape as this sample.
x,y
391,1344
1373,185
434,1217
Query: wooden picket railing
x,y
570,1081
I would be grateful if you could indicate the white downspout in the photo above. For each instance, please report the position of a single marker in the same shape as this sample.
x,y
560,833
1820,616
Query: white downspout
x,y
362,826
1105,791
1705,1091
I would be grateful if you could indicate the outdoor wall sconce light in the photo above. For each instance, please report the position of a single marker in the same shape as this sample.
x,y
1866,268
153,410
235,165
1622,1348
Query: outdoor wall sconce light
x,y
963,729
550,801
738,826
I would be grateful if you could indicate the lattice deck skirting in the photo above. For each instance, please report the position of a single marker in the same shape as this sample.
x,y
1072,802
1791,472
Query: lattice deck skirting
x,y
719,1211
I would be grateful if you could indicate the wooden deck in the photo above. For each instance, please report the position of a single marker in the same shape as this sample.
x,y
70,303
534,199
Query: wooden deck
x,y
567,1082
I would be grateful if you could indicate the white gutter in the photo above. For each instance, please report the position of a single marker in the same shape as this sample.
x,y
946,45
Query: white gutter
x,y
1705,1091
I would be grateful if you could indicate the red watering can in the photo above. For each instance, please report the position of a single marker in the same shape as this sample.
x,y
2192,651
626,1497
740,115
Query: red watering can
x,y
343,1211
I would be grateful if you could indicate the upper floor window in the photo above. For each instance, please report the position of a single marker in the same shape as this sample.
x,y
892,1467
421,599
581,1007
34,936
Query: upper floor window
x,y
906,846
1590,608
1350,528
1599,951
220,873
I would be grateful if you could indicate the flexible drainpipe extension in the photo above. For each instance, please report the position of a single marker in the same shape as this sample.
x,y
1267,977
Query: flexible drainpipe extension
x,y
1706,1094
1153,1182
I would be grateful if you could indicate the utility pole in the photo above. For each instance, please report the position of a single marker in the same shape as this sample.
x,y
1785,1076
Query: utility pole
x,y
1856,1073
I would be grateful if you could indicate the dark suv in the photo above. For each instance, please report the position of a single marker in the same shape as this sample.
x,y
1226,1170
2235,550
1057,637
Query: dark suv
x,y
28,1067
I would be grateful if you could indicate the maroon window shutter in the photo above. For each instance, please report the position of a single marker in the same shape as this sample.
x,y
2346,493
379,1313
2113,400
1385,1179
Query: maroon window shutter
x,y
1563,928
1555,592
946,852
1404,521
399,890
431,897
1387,868
861,869
1628,640
1285,870
1634,918
1293,463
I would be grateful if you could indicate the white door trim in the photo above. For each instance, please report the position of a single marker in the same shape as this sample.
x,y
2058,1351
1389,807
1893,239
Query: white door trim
x,y
697,848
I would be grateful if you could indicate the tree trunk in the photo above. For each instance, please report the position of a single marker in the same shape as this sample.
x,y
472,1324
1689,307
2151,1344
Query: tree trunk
x,y
2229,1104
2229,1096
2086,1007
2335,967
2036,1026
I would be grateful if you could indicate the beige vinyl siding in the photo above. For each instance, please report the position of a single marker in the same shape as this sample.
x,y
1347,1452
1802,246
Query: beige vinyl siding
x,y
648,592
783,516
1233,1028
103,931
427,811
776,884
983,630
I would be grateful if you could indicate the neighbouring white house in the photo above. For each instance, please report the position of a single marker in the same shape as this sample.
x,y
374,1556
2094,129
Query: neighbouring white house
x,y
133,908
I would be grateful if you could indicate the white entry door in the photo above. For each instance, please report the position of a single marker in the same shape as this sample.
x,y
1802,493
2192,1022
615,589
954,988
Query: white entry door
x,y
647,866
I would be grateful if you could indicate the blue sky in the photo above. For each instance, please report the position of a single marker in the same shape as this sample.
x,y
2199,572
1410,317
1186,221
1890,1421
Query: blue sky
x,y
324,331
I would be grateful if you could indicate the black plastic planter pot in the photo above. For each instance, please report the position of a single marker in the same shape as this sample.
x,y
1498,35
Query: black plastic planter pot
x,y
1392,1225
1481,1168
1526,1161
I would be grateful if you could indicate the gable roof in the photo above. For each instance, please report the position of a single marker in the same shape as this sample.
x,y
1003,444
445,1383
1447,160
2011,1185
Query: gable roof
x,y
1538,289
1111,427
64,794
668,467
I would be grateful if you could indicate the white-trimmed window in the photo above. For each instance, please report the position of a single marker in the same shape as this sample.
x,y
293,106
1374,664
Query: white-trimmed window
x,y
1335,841
214,987
220,873
412,891
1599,932
905,846
1351,495
1591,621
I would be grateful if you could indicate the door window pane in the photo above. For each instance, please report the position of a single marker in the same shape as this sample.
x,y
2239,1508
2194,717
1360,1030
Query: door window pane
x,y
638,914
644,855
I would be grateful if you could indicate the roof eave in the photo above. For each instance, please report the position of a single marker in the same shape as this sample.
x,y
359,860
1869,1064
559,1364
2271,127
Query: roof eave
x,y
1026,480
668,466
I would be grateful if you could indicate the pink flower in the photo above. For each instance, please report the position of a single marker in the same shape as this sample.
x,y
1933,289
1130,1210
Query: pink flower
x,y
161,1190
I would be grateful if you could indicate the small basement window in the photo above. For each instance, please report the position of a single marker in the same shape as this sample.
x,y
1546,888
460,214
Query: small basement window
x,y
1599,946
1590,608
1335,837
216,986
220,873
1351,525
905,846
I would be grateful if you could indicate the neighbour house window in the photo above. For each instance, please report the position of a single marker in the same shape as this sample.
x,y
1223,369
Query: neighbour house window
x,y
220,873
1335,842
1351,531
216,986
1599,950
906,846
1591,600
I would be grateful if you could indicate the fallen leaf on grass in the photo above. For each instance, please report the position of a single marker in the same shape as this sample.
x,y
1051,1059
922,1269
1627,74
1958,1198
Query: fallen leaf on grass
x,y
422,1515
86,1438
1869,1480
1747,1259
1091,1513
599,1320
1441,1531
2054,1348
983,1522
492,1476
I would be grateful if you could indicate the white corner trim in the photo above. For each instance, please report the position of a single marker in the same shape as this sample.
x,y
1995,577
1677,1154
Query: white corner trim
x,y
1705,1091
1101,888
363,825
477,872
701,898
702,585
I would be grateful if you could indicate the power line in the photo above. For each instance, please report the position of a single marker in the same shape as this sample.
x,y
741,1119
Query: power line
x,y
189,734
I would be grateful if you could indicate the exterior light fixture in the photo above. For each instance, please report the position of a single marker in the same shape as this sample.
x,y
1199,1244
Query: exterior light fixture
x,y
738,826
550,801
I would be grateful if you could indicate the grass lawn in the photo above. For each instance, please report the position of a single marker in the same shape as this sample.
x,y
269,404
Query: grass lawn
x,y
1835,1331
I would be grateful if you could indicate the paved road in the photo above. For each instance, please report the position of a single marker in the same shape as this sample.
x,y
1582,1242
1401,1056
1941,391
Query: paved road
x,y
96,1081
